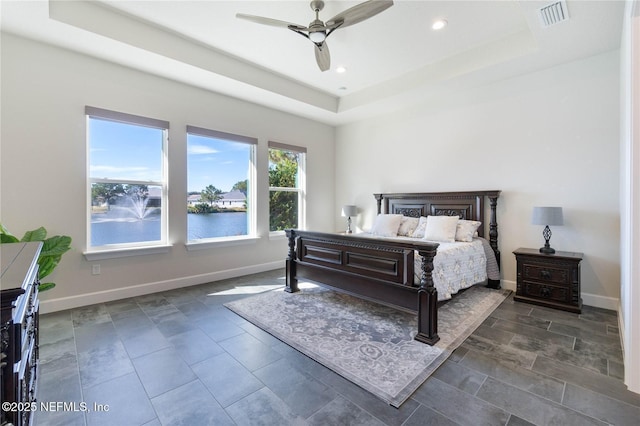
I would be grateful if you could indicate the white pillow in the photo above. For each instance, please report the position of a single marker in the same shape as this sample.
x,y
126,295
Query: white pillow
x,y
441,228
386,225
419,231
466,230
407,226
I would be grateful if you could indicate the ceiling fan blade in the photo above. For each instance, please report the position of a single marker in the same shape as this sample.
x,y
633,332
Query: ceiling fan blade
x,y
360,12
268,21
323,58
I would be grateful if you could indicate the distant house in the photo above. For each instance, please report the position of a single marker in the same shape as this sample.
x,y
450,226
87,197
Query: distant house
x,y
194,199
233,199
228,200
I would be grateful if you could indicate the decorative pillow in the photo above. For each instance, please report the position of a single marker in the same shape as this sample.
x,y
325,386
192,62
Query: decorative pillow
x,y
466,230
407,226
419,231
386,225
441,228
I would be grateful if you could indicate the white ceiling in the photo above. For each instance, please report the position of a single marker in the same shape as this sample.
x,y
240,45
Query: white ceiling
x,y
393,59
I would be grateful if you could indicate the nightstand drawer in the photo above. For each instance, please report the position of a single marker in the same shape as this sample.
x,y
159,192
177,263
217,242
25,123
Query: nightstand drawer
x,y
546,292
545,274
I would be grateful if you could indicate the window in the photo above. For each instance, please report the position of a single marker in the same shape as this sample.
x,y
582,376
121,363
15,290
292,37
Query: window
x,y
127,180
286,186
220,184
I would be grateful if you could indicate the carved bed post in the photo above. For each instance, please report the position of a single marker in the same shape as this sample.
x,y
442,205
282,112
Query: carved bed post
x,y
291,280
379,202
493,227
493,237
427,301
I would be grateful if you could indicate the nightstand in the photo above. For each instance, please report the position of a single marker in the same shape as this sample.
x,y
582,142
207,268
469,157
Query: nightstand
x,y
551,280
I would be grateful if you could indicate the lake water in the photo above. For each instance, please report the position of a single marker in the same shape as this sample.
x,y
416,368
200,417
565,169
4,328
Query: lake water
x,y
111,229
216,225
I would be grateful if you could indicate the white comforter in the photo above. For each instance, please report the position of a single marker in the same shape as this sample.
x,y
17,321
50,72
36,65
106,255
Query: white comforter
x,y
457,266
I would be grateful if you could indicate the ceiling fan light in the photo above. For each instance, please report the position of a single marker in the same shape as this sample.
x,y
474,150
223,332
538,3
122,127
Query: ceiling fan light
x,y
317,36
439,24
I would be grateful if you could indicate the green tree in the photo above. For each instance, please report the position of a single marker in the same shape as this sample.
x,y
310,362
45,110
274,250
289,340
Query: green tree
x,y
210,194
137,192
241,186
283,205
106,192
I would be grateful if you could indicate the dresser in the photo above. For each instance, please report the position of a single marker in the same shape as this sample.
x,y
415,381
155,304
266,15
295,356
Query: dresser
x,y
551,280
19,330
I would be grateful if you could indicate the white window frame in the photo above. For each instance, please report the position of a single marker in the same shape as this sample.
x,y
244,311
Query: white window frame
x,y
136,248
302,185
251,236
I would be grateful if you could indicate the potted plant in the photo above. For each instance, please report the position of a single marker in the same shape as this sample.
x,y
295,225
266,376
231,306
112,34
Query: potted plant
x,y
52,250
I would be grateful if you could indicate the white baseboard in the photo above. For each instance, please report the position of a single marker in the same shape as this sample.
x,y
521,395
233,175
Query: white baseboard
x,y
587,298
598,301
71,302
508,285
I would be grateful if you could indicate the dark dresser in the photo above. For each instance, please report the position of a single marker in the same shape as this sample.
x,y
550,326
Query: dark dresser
x,y
19,330
551,280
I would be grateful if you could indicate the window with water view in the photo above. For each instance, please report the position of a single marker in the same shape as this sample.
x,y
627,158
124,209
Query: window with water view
x,y
220,169
127,179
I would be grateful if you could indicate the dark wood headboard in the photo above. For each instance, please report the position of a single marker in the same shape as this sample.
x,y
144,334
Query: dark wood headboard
x,y
467,205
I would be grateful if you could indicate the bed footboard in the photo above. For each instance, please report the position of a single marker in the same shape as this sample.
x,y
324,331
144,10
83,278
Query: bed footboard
x,y
381,271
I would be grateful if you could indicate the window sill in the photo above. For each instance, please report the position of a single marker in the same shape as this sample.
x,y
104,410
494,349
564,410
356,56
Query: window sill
x,y
125,252
220,242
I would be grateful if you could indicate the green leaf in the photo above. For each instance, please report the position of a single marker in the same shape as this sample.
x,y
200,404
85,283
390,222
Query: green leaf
x,y
46,286
56,246
8,238
36,235
46,265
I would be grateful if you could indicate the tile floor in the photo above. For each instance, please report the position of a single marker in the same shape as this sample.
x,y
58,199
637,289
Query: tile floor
x,y
181,358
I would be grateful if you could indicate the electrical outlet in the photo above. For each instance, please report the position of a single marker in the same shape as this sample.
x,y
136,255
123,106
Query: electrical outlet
x,y
95,269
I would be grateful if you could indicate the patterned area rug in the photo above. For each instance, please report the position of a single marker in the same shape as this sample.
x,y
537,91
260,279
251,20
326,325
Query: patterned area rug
x,y
369,344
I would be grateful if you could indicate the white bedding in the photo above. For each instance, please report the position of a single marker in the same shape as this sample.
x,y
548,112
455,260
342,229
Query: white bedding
x,y
458,265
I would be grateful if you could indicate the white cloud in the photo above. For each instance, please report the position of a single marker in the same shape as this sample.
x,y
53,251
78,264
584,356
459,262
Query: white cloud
x,y
200,149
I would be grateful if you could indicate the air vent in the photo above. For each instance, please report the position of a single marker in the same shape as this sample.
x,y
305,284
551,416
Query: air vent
x,y
554,13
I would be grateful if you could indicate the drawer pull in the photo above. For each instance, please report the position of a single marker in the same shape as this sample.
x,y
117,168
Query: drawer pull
x,y
545,292
545,275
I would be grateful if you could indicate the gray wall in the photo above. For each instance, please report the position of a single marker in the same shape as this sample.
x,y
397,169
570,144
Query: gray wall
x,y
44,156
545,138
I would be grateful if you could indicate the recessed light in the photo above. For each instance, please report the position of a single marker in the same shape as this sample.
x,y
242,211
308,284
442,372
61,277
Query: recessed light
x,y
439,24
341,69
342,88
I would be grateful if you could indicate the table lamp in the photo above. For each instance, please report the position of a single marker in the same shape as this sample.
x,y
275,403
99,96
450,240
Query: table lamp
x,y
349,211
547,216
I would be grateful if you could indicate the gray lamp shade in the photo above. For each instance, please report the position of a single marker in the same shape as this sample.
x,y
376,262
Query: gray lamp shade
x,y
349,210
547,216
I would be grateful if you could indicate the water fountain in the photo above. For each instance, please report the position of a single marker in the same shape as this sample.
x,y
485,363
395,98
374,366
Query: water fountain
x,y
138,207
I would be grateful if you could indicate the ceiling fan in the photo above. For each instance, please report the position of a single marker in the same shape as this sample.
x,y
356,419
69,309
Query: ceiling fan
x,y
318,31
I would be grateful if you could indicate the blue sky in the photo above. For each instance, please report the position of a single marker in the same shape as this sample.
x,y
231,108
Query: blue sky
x,y
122,151
216,162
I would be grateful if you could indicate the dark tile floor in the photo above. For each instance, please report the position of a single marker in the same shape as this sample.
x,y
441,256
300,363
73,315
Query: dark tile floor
x,y
181,358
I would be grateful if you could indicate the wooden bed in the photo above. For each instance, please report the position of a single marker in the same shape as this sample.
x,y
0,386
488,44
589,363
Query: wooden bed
x,y
382,270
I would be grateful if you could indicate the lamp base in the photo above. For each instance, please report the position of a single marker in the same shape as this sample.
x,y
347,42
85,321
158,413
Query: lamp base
x,y
547,236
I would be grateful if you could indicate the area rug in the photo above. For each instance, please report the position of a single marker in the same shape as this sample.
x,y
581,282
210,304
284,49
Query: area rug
x,y
367,343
